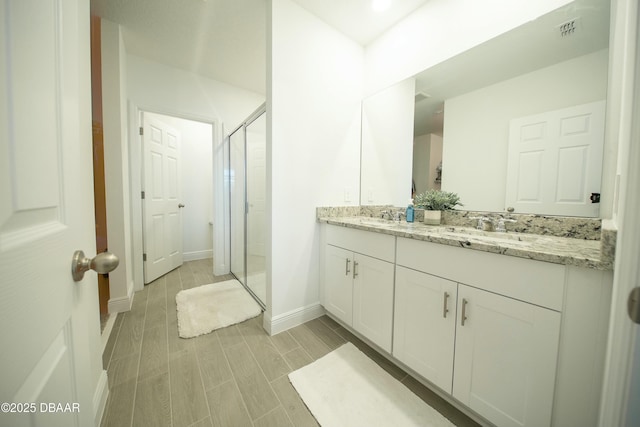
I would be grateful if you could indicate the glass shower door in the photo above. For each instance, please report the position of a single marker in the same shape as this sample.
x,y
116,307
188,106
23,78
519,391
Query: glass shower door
x,y
256,229
237,190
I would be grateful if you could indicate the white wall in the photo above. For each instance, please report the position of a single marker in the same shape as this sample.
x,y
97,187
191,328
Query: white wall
x,y
116,159
158,88
440,30
476,125
196,185
313,114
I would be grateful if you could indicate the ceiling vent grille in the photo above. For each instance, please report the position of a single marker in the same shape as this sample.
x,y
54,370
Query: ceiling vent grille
x,y
568,28
421,96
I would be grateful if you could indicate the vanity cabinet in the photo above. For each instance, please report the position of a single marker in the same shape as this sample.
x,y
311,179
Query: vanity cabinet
x,y
520,342
494,353
358,282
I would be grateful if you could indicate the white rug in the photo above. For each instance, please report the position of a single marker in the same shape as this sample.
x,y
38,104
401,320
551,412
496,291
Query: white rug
x,y
209,307
346,388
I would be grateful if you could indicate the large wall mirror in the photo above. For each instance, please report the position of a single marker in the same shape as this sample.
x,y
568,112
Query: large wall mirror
x,y
465,107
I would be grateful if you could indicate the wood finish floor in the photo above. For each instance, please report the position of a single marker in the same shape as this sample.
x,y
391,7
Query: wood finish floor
x,y
236,376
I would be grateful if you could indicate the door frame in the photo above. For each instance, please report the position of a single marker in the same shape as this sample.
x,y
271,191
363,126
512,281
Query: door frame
x,y
623,357
221,248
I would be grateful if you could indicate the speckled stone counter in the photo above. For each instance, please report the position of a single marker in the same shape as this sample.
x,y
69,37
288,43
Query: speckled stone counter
x,y
581,252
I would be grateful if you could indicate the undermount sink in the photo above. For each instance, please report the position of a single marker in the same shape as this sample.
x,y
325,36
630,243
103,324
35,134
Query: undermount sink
x,y
456,232
376,222
493,236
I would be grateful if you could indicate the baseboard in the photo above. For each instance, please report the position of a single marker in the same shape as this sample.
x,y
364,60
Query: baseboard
x,y
282,322
121,304
196,255
221,268
100,398
106,333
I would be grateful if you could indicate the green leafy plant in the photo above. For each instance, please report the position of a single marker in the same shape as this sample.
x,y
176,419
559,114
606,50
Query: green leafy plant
x,y
437,200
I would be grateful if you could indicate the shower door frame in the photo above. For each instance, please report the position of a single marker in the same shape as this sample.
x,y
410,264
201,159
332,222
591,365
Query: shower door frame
x,y
243,128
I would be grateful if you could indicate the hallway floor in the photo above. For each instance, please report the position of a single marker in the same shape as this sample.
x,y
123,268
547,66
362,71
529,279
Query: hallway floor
x,y
236,376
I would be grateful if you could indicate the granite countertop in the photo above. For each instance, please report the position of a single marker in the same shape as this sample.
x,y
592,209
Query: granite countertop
x,y
558,250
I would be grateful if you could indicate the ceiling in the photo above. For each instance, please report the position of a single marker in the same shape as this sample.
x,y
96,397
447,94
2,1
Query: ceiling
x,y
225,40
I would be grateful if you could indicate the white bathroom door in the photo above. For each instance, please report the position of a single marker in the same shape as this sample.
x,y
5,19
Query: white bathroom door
x,y
49,324
555,161
162,216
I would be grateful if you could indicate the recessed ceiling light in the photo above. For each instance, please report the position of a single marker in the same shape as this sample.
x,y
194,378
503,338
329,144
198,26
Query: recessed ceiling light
x,y
380,5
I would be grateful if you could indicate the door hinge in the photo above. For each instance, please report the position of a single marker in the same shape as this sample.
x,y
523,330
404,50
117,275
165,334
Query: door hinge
x,y
142,194
633,305
144,257
141,130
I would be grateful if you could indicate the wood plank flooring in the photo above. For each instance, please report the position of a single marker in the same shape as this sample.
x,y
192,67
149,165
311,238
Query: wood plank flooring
x,y
236,376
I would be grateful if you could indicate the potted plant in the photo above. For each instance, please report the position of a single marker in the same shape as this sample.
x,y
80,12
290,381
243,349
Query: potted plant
x,y
434,202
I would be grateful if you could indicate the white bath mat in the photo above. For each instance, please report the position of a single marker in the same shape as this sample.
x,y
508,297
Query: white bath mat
x,y
346,388
210,307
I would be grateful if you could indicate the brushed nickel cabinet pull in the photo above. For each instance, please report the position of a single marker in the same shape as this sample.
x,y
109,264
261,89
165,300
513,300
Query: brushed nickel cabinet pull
x,y
464,311
445,310
355,269
347,269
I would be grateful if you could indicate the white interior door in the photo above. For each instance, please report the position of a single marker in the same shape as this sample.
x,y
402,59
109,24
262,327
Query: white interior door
x,y
555,161
161,205
49,324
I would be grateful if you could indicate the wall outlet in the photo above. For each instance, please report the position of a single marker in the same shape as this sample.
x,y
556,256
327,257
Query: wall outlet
x,y
347,194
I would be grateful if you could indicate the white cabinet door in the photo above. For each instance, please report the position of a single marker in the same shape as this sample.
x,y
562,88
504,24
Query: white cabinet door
x,y
338,286
424,325
373,299
505,358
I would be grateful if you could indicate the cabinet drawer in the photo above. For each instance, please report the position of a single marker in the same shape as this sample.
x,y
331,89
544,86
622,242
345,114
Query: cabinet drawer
x,y
536,282
377,245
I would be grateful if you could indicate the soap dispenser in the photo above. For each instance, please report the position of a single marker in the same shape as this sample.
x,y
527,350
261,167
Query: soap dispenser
x,y
409,213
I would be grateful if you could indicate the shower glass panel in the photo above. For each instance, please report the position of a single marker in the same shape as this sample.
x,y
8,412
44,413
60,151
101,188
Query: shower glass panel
x,y
256,206
237,192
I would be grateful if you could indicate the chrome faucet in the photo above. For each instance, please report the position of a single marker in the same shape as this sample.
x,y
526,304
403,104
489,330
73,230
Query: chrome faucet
x,y
486,223
501,224
386,215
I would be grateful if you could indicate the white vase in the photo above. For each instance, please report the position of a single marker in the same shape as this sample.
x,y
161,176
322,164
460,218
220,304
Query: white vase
x,y
432,217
